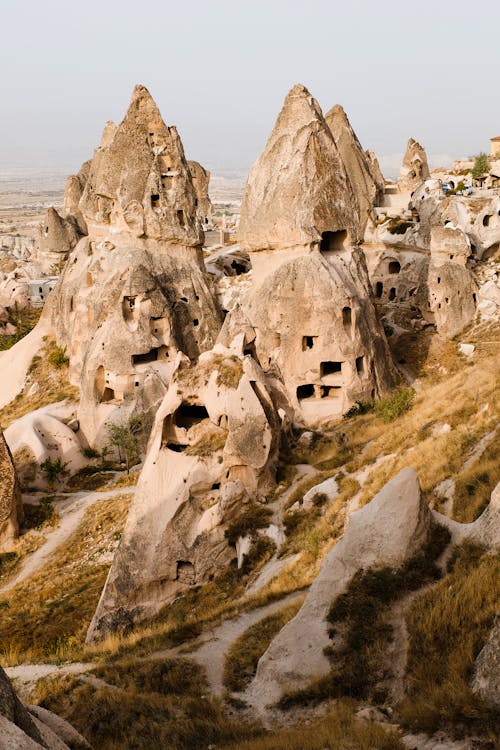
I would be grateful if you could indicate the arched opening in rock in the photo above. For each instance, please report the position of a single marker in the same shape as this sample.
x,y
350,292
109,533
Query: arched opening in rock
x,y
330,368
180,217
155,200
188,415
159,352
307,342
392,293
474,298
394,266
486,220
333,242
347,319
379,289
130,309
185,572
360,365
331,391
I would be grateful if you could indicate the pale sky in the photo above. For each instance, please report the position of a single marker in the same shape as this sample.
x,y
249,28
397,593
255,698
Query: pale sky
x,y
220,69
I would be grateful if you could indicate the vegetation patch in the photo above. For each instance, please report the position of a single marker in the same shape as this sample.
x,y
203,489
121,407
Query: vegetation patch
x,y
447,627
243,656
254,518
398,403
398,225
24,320
37,515
361,626
473,487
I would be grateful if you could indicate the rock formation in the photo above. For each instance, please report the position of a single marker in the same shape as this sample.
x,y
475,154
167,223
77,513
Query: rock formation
x,y
298,197
11,507
73,191
486,680
309,305
56,238
33,728
414,169
134,291
201,181
386,532
212,453
358,166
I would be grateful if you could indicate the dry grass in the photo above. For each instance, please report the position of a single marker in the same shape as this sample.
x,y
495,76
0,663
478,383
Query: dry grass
x,y
243,656
150,705
47,616
125,480
447,628
473,487
25,321
53,386
337,730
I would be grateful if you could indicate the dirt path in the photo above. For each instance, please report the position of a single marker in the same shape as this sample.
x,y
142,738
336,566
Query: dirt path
x,y
71,512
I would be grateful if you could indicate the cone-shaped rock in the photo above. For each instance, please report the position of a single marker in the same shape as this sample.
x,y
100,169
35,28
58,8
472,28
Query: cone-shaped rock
x,y
356,163
139,179
57,236
414,169
201,181
297,189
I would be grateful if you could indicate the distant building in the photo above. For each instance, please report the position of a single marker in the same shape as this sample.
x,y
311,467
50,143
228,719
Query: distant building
x,y
39,289
495,146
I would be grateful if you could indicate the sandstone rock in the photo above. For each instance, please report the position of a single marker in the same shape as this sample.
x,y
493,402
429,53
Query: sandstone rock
x,y
11,507
452,297
298,195
73,191
449,245
56,238
358,167
486,680
386,532
61,728
414,169
213,448
201,180
376,174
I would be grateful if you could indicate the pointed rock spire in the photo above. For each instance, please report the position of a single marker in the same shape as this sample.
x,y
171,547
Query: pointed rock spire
x,y
139,180
414,169
356,163
298,188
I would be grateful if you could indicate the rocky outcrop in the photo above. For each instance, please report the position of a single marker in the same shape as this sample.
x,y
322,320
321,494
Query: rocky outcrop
x,y
73,191
452,297
35,728
212,453
201,181
298,196
386,532
135,291
414,169
11,507
486,680
57,236
358,166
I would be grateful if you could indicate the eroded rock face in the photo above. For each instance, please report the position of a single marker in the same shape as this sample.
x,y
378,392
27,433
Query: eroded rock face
x,y
298,194
486,681
414,169
11,507
386,532
73,191
134,291
201,181
213,450
362,173
452,297
139,180
57,236
314,324
33,729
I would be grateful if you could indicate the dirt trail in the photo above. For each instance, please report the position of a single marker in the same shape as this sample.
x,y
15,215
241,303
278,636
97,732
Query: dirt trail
x,y
71,511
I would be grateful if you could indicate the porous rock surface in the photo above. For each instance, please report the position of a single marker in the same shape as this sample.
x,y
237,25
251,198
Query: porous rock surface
x,y
414,169
386,532
213,450
486,680
11,507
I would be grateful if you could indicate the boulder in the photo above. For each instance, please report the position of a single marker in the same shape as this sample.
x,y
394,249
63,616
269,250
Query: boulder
x,y
452,297
486,680
386,532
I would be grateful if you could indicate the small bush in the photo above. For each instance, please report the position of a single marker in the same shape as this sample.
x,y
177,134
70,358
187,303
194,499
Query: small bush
x,y
398,225
57,357
6,560
394,406
360,407
256,517
53,469
36,516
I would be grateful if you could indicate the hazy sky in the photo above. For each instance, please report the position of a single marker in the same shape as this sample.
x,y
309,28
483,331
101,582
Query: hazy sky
x,y
220,69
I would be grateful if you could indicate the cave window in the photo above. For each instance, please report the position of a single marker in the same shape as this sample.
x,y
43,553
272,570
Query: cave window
x,y
394,266
305,391
136,384
346,318
206,221
155,200
447,300
439,279
185,572
307,342
239,268
216,486
474,298
108,394
451,257
486,220
379,289
392,293
180,216
196,322
330,368
196,202
140,359
473,249
188,415
330,391
360,363
332,242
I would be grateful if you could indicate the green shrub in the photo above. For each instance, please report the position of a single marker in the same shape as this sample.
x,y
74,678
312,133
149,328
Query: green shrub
x,y
53,469
256,517
57,357
360,407
36,515
398,403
